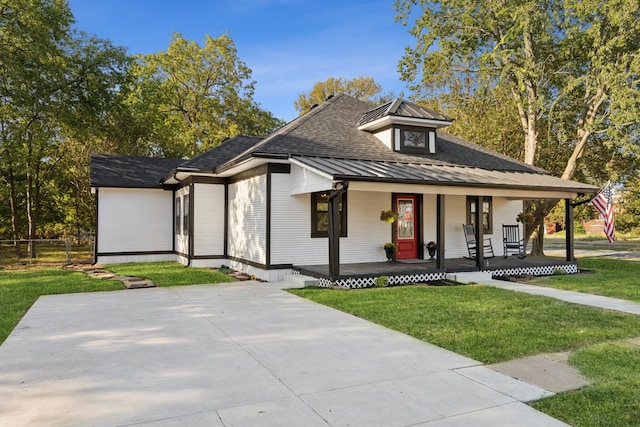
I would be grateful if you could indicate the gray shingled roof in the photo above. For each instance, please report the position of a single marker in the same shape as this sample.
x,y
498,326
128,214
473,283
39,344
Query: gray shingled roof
x,y
330,130
327,138
220,154
129,171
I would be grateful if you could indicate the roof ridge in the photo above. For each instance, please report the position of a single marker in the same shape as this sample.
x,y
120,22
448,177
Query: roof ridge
x,y
394,105
286,129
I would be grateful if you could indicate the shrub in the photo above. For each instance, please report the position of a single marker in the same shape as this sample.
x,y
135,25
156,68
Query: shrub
x,y
381,282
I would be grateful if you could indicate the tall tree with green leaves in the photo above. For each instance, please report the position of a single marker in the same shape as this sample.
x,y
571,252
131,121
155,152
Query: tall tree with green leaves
x,y
32,50
363,88
570,67
53,82
196,96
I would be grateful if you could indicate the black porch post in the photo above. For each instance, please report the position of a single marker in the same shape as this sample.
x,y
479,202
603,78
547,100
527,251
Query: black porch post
x,y
568,220
440,215
479,233
333,201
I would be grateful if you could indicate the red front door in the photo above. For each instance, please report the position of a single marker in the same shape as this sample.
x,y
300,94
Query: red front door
x,y
406,230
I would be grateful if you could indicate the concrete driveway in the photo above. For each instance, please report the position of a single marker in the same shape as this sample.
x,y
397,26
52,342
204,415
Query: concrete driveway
x,y
239,354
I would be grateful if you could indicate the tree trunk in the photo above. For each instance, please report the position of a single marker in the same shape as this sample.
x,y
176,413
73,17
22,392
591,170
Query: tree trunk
x,y
537,238
535,232
583,132
9,179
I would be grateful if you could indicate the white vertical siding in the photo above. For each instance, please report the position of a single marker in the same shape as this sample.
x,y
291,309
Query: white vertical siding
x,y
134,220
182,240
291,241
247,219
455,212
367,234
430,226
208,219
504,212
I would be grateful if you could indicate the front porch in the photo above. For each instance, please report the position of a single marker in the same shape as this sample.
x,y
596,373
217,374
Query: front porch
x,y
362,275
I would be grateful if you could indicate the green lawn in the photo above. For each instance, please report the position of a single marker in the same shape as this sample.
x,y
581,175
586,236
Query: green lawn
x,y
45,254
613,399
481,322
610,277
170,273
493,325
20,289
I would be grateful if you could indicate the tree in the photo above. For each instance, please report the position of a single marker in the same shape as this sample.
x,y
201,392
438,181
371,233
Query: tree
x,y
196,96
31,37
570,67
363,88
54,82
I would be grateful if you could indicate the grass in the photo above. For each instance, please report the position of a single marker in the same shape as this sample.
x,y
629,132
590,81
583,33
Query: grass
x,y
627,242
45,254
20,289
484,323
493,325
170,273
613,399
612,277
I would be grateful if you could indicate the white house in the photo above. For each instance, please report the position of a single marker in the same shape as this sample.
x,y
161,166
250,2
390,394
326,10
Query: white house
x,y
263,205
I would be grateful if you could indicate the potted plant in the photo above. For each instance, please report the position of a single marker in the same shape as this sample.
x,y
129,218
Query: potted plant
x,y
525,218
388,216
390,250
432,247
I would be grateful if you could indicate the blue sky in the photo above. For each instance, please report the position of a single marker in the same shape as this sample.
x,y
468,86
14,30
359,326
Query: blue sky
x,y
288,44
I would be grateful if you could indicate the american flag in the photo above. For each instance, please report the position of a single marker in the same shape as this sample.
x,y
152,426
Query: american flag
x,y
603,202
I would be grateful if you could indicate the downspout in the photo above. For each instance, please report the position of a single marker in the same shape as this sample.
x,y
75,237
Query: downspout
x,y
333,200
95,237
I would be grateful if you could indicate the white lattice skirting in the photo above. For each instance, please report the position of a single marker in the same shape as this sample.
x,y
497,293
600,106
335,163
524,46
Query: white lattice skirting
x,y
367,282
542,270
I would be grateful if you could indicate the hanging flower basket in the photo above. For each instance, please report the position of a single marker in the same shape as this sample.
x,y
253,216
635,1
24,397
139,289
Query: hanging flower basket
x,y
388,216
525,218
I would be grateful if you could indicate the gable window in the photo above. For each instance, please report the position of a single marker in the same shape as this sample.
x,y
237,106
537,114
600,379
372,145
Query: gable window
x,y
415,139
185,215
486,214
178,226
320,215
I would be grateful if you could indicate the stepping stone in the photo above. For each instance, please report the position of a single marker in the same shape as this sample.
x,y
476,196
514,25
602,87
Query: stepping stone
x,y
135,282
549,371
102,275
145,283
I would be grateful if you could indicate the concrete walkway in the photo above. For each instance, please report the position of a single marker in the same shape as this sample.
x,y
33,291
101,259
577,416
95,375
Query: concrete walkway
x,y
569,296
239,354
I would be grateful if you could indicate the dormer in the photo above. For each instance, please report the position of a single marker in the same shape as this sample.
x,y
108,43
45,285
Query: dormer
x,y
404,126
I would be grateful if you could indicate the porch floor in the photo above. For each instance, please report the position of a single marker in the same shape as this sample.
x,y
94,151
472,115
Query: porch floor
x,y
419,267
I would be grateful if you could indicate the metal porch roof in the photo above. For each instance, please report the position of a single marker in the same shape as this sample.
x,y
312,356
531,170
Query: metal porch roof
x,y
430,174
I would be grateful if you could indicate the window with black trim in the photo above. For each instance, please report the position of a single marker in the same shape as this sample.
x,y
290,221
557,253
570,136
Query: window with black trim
x,y
320,215
487,213
178,226
185,215
416,139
